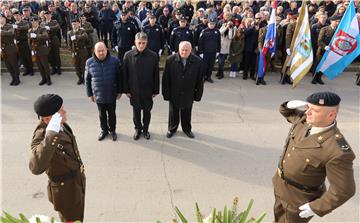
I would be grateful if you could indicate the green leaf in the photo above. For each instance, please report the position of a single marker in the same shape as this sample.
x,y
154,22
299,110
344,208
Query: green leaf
x,y
198,213
181,216
11,218
237,218
213,217
158,221
246,212
219,217
23,218
38,220
5,220
260,218
229,216
225,216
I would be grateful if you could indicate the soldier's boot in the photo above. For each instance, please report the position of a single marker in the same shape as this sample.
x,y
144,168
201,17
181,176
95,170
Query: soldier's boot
x,y
17,80
42,82
258,81
288,80
12,80
48,80
319,79
262,81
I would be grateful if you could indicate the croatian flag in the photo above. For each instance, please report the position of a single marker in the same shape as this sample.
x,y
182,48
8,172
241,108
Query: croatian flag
x,y
344,45
269,43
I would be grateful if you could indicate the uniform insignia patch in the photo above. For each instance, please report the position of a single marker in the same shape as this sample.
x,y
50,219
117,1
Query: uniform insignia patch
x,y
343,145
321,101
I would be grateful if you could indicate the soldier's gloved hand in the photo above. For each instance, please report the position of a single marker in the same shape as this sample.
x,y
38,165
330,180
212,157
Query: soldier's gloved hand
x,y
116,48
133,47
47,27
160,52
173,52
202,56
55,123
32,35
327,48
15,26
72,38
305,211
294,104
288,51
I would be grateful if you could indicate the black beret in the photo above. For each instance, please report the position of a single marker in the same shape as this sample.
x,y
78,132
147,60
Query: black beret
x,y
335,17
47,104
324,99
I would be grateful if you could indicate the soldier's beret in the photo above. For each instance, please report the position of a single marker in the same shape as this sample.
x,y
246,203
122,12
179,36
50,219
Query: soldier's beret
x,y
335,17
47,104
324,99
82,15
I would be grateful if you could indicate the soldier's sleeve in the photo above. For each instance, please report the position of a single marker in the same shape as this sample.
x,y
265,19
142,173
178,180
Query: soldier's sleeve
x,y
166,81
291,115
114,36
191,38
69,40
172,45
340,174
162,38
43,147
321,43
43,35
88,77
55,26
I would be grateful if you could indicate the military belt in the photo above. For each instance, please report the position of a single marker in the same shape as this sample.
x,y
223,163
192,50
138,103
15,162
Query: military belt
x,y
298,185
70,175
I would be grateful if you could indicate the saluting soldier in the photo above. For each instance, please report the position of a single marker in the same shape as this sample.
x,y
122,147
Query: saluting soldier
x,y
315,150
9,50
179,34
78,41
38,38
22,27
54,151
53,28
325,35
89,29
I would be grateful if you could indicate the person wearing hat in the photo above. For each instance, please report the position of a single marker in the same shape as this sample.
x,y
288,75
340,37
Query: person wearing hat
x,y
78,41
323,41
27,14
315,30
197,31
179,34
315,151
22,27
174,22
90,31
209,47
53,28
9,51
54,151
155,35
39,49
197,19
188,10
123,35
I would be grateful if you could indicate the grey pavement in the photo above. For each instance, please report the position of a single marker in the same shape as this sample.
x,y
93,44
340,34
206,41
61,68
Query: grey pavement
x,y
239,137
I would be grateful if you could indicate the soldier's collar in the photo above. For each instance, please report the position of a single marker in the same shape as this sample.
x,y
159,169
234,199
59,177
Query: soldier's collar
x,y
316,130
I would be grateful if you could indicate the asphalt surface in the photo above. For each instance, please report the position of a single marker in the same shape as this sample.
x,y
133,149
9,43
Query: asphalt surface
x,y
239,137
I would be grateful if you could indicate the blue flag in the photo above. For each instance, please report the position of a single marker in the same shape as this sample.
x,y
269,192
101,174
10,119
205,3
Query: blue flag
x,y
344,45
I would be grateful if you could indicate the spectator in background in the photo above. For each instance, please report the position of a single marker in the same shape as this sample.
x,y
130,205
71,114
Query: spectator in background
x,y
107,18
155,35
251,44
92,17
116,10
142,11
197,19
179,34
236,50
236,15
188,10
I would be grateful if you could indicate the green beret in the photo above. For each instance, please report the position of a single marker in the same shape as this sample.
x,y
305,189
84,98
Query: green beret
x,y
324,99
48,104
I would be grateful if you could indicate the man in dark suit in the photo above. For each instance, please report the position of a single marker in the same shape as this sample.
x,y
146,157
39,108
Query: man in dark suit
x,y
182,83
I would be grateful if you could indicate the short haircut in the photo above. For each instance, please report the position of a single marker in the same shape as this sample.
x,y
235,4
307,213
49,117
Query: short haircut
x,y
141,35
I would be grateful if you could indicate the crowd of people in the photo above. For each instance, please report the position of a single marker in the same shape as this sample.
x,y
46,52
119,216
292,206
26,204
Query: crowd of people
x,y
32,32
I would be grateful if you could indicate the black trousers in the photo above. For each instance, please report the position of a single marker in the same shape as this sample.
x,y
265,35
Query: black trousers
x,y
176,113
209,61
107,116
144,126
249,63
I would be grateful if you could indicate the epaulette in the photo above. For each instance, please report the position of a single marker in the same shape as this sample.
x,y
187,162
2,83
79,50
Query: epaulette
x,y
343,145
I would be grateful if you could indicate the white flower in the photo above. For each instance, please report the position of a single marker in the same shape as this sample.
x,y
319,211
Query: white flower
x,y
43,219
208,219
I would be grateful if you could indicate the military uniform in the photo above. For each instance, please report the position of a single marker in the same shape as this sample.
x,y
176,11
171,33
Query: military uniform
x,y
58,156
53,29
325,35
9,52
21,35
288,38
305,163
79,48
89,29
40,52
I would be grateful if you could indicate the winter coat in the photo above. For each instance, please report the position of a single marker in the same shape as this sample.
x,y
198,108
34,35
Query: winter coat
x,y
236,49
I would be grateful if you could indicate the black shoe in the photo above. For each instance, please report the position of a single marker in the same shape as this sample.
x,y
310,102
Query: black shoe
x,y
169,134
319,81
190,134
59,71
113,136
258,81
54,71
146,135
16,82
26,73
42,82
48,82
245,77
218,74
210,80
12,82
137,135
102,135
220,77
313,81
262,82
80,81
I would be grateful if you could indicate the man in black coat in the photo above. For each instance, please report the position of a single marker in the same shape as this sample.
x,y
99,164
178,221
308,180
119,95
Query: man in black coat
x,y
182,83
141,82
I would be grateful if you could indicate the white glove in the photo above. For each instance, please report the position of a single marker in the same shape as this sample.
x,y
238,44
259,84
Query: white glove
x,y
116,48
15,26
296,104
217,54
160,52
327,48
288,51
47,27
272,55
55,123
305,211
72,38
133,47
173,52
202,56
196,48
32,35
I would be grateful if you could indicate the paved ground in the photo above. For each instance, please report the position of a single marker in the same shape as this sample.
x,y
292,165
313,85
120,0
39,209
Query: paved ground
x,y
239,136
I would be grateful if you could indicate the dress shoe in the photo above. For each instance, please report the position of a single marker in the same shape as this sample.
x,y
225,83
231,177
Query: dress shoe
x,y
313,81
42,82
16,82
210,80
102,135
245,77
190,134
80,81
59,71
54,71
113,136
137,135
319,81
262,82
169,134
12,82
146,135
258,82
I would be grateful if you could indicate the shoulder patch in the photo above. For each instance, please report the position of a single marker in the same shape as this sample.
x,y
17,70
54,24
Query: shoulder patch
x,y
343,145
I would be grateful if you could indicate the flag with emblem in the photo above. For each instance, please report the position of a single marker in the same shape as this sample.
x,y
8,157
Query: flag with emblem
x,y
301,58
344,45
269,43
